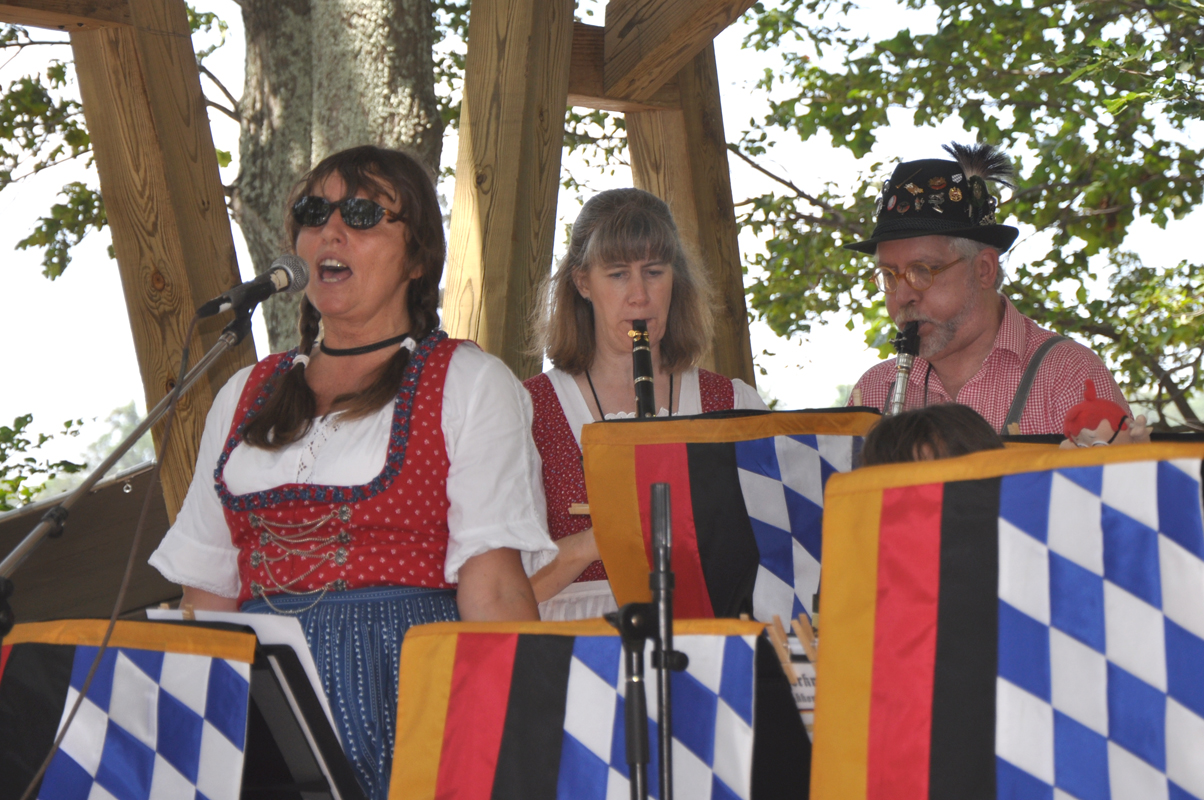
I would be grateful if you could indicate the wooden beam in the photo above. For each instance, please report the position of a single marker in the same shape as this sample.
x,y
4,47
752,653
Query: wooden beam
x,y
159,179
66,15
649,41
585,77
507,172
681,156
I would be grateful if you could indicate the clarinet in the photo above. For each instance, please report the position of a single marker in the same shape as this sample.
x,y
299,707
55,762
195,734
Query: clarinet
x,y
641,369
907,345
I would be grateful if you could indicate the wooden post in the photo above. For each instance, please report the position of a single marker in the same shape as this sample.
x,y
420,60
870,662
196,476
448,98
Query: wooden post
x,y
680,155
507,172
158,170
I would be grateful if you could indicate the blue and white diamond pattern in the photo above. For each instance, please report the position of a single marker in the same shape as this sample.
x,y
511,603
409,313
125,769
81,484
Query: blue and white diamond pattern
x,y
712,720
153,726
1101,633
782,480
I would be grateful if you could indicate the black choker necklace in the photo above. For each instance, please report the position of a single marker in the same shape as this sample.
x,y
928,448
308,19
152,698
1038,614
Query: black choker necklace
x,y
359,351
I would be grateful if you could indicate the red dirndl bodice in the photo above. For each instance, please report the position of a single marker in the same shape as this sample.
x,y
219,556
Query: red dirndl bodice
x,y
563,472
392,531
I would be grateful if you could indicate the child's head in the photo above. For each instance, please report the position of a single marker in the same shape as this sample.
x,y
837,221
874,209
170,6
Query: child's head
x,y
940,431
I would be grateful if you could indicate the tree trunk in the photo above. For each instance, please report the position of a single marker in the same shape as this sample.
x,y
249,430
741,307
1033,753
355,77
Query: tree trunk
x,y
321,76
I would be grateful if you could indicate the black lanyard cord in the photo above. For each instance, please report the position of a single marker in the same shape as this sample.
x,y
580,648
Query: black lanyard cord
x,y
598,402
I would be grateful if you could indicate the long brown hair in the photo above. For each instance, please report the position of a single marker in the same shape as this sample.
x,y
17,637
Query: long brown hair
x,y
381,173
622,225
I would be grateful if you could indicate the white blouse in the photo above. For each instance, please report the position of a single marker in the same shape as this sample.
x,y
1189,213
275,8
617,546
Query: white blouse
x,y
576,410
494,482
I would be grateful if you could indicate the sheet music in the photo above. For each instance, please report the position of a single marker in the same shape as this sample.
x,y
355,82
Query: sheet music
x,y
270,629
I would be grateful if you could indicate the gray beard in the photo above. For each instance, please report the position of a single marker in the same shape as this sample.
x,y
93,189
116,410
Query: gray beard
x,y
942,333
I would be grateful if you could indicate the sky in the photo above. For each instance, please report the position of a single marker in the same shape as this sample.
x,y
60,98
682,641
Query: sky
x,y
70,353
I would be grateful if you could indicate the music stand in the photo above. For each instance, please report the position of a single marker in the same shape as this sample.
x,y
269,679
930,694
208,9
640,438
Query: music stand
x,y
292,751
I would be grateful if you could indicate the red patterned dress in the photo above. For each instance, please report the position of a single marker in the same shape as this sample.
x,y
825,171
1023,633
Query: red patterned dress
x,y
358,529
564,483
303,538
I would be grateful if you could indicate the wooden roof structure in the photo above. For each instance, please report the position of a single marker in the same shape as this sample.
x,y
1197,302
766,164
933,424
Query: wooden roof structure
x,y
528,60
654,61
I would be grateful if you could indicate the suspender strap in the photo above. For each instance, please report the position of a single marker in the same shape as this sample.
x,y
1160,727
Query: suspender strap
x,y
1026,382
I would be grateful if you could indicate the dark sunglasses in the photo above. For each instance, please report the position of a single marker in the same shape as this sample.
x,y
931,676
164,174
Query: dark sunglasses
x,y
357,212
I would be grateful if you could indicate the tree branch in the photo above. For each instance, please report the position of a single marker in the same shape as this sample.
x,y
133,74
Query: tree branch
x,y
1044,187
228,112
205,71
824,222
50,164
841,221
22,45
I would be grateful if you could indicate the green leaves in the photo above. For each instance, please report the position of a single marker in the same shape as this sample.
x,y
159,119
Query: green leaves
x,y
38,127
451,31
65,226
41,125
18,467
206,21
1090,98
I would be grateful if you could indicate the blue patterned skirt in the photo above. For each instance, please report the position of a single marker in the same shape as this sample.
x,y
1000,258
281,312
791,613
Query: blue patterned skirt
x,y
355,638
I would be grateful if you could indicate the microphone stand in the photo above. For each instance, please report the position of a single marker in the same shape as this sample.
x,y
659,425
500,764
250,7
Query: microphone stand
x,y
637,622
665,659
51,524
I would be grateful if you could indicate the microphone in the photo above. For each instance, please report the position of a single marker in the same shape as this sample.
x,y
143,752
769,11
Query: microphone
x,y
907,345
287,274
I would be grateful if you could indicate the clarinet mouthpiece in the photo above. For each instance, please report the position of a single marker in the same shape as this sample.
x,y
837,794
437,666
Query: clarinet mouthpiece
x,y
907,341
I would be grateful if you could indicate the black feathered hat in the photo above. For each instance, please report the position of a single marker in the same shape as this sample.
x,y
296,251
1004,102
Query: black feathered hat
x,y
935,197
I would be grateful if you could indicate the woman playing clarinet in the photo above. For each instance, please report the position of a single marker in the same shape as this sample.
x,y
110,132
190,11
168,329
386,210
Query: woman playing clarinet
x,y
380,476
625,263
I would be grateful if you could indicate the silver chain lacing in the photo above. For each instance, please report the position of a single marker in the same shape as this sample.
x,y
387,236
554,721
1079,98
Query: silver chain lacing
x,y
299,540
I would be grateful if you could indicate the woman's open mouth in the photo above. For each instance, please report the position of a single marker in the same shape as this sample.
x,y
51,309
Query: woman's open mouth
x,y
331,270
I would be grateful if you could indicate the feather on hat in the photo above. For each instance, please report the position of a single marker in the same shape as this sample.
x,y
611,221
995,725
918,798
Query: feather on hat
x,y
984,161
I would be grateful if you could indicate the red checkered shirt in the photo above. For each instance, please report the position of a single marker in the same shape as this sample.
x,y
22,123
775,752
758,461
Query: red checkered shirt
x,y
1057,388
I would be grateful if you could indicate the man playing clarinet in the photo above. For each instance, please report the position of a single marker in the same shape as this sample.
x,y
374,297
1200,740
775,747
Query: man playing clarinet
x,y
937,247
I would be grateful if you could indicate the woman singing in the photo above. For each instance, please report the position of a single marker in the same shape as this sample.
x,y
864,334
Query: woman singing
x,y
625,262
380,476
